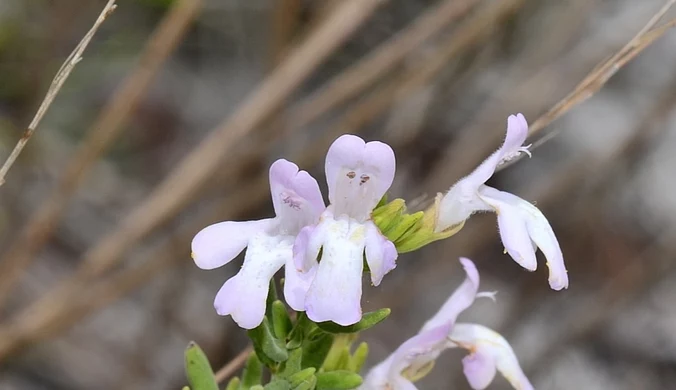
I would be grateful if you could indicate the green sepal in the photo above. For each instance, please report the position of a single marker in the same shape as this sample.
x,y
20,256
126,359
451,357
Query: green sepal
x,y
301,376
198,370
359,357
292,365
302,326
257,387
253,372
387,216
269,349
338,380
315,348
339,354
233,384
271,298
281,322
279,384
368,320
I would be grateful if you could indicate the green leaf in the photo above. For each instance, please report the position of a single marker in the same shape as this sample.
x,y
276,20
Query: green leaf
x,y
303,325
368,320
308,384
252,372
197,368
302,376
269,349
339,355
271,298
292,365
338,380
233,384
315,348
281,323
359,357
277,385
257,387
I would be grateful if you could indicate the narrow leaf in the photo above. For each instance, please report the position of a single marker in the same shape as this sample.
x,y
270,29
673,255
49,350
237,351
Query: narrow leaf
x,y
197,368
252,372
338,380
368,320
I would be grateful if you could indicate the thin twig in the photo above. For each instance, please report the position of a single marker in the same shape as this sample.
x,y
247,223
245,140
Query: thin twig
x,y
600,75
378,62
55,87
233,365
196,168
107,127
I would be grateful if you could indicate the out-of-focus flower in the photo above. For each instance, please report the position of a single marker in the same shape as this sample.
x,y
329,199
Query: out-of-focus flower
x,y
297,202
522,226
358,175
489,352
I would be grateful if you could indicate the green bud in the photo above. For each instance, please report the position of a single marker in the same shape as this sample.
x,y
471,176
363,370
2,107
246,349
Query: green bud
x,y
253,371
281,323
359,357
233,384
198,370
338,380
308,384
276,385
302,376
368,320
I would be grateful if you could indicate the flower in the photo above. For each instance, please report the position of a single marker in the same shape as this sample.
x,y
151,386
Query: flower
x,y
298,202
489,352
523,228
358,175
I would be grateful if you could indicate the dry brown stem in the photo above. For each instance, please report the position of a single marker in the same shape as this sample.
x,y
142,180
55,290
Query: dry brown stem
x,y
55,87
379,62
598,77
107,127
196,168
233,365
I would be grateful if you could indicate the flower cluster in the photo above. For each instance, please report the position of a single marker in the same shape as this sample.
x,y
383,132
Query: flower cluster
x,y
322,248
488,351
522,226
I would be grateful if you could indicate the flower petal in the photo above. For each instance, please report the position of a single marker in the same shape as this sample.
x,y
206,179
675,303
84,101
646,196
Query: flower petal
x,y
307,246
381,255
244,295
542,234
527,220
462,200
216,245
479,370
488,344
358,174
295,195
517,132
296,285
335,293
512,224
462,298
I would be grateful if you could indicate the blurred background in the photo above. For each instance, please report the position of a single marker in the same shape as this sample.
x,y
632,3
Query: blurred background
x,y
434,78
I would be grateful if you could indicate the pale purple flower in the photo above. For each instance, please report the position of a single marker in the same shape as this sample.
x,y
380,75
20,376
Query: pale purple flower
x,y
523,228
298,202
358,175
489,352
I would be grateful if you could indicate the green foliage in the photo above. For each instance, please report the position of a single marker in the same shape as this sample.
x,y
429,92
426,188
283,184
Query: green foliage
x,y
281,323
197,368
368,320
233,384
270,349
407,231
253,372
338,380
